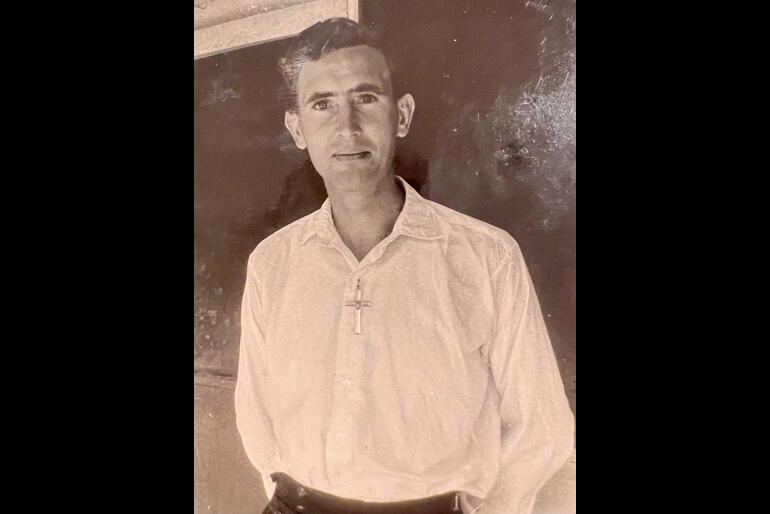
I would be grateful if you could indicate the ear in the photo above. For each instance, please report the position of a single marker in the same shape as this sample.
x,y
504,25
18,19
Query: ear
x,y
405,108
291,120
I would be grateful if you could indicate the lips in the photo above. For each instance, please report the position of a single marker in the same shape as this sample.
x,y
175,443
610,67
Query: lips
x,y
351,156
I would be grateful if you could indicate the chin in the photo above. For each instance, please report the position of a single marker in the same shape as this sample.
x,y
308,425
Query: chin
x,y
351,178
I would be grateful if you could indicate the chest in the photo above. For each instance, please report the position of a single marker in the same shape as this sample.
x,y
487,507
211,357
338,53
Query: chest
x,y
403,309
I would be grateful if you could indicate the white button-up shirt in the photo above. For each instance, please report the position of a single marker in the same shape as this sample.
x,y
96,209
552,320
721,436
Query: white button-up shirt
x,y
451,383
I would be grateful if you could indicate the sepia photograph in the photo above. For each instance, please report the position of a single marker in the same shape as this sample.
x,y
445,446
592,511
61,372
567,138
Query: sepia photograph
x,y
384,256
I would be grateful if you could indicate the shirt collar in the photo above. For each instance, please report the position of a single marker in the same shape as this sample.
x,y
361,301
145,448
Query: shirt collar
x,y
415,220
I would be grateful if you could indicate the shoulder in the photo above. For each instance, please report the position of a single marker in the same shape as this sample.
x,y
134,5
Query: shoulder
x,y
280,243
484,238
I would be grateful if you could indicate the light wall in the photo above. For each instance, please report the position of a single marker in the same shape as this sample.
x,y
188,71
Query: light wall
x,y
222,25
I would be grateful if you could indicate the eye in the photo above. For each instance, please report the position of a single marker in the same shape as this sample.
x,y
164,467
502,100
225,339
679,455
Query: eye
x,y
321,106
367,99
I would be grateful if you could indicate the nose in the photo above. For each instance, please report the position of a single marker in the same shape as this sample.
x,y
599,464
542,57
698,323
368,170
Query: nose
x,y
347,121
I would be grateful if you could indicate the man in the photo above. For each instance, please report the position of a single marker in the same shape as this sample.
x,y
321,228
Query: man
x,y
393,356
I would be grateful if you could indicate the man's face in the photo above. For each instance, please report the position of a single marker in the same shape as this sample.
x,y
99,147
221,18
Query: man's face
x,y
347,117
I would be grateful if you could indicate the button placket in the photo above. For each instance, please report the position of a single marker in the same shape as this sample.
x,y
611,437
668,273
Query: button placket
x,y
339,449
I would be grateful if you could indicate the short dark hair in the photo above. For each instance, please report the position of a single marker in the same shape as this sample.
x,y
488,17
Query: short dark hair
x,y
320,39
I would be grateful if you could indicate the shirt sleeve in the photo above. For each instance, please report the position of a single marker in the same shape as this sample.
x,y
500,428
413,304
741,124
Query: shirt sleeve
x,y
253,423
537,423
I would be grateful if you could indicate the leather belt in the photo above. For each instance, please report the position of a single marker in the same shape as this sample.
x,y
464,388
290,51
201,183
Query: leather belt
x,y
304,500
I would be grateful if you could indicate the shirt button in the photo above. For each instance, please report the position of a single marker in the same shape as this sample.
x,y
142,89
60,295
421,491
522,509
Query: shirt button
x,y
346,382
340,435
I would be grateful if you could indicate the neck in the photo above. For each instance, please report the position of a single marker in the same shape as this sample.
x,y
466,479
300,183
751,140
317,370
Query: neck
x,y
364,218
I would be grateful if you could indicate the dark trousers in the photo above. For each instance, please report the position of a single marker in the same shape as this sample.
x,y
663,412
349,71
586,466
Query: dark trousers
x,y
291,497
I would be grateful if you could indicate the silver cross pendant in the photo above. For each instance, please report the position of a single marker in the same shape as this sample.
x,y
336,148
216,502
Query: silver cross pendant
x,y
358,303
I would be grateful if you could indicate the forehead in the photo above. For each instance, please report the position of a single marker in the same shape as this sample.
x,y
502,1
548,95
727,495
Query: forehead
x,y
344,68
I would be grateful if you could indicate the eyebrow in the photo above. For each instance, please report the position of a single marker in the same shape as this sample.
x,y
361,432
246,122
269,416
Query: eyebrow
x,y
364,87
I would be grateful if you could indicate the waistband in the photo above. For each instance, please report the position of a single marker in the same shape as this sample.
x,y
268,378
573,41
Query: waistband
x,y
303,499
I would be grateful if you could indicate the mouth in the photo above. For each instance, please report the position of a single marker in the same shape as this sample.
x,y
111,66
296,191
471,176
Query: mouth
x,y
351,156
